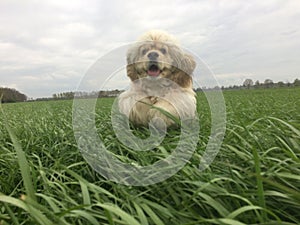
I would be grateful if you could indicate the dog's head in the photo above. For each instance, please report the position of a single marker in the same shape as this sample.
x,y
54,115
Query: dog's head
x,y
158,55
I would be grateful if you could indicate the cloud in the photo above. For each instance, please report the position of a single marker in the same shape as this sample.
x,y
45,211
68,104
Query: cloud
x,y
46,47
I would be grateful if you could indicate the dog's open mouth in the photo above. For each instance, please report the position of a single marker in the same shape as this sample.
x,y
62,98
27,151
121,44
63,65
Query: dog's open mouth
x,y
153,70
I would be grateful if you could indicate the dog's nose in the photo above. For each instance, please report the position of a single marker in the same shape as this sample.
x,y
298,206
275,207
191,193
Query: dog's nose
x,y
152,55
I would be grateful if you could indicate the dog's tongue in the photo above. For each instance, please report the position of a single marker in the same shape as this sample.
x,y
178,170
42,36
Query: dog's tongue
x,y
153,73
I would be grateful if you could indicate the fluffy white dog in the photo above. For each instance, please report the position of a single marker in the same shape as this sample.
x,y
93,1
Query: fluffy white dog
x,y
161,75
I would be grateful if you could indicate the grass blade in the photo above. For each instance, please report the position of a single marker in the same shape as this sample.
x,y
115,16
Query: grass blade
x,y
22,161
35,213
119,212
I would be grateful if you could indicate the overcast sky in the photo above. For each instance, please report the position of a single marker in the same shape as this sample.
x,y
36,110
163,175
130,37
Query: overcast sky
x,y
46,47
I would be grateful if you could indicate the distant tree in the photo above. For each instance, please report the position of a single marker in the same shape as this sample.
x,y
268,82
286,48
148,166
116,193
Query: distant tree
x,y
69,95
102,94
268,83
248,83
257,83
11,95
280,84
296,82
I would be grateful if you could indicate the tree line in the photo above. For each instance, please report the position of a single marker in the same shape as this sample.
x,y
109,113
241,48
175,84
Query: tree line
x,y
268,83
250,84
11,95
82,94
247,84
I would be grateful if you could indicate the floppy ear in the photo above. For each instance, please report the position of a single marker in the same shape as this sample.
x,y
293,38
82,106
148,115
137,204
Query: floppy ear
x,y
183,74
181,78
131,72
189,64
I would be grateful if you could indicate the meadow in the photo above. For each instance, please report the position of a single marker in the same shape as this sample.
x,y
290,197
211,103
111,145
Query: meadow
x,y
255,178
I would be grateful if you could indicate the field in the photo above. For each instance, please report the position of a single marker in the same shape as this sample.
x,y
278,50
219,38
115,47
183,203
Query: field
x,y
255,178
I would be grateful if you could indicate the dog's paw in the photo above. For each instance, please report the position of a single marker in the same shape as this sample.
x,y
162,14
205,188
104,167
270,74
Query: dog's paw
x,y
158,126
161,119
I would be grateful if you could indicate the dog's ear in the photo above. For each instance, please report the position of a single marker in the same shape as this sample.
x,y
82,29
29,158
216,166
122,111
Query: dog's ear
x,y
183,79
189,64
131,72
183,74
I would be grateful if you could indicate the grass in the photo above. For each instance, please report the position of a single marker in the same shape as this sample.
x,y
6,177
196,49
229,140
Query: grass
x,y
255,178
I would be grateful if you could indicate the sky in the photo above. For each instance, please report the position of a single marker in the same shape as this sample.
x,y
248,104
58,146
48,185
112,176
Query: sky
x,y
48,46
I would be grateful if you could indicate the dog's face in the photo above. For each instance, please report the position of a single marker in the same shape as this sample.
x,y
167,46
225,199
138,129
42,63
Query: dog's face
x,y
153,59
158,56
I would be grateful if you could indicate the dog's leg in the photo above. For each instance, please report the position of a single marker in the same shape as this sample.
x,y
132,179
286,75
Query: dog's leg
x,y
139,112
162,109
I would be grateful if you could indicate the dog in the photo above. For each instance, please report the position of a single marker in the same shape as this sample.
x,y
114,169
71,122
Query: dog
x,y
161,81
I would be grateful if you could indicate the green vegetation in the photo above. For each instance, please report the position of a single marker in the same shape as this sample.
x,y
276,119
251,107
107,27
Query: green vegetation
x,y
255,179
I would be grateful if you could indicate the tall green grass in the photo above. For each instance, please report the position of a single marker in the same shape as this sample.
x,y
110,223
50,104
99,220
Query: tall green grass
x,y
255,179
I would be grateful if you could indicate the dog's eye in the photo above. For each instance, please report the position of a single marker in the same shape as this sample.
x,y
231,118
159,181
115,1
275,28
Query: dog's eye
x,y
144,51
163,50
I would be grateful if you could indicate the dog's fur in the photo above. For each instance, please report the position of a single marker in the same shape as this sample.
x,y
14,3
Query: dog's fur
x,y
167,85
